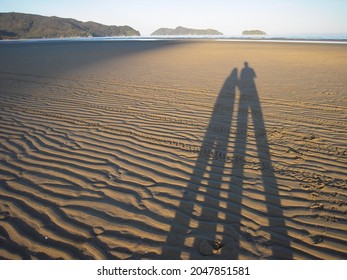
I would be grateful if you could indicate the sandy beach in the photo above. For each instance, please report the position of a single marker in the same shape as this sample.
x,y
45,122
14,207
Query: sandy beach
x,y
173,150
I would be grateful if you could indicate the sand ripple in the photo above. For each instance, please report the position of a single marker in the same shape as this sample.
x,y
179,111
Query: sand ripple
x,y
101,168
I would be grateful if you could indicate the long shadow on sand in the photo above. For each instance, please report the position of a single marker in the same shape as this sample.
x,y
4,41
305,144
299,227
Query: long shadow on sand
x,y
209,220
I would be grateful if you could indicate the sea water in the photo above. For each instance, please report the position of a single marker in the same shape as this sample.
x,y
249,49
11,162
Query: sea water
x,y
297,38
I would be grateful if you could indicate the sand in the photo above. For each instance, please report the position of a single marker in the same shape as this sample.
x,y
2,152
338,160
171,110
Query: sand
x,y
173,150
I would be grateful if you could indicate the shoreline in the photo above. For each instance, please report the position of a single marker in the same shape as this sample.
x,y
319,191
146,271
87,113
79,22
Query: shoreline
x,y
189,39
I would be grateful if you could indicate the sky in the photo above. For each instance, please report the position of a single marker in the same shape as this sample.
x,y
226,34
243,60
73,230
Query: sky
x,y
231,17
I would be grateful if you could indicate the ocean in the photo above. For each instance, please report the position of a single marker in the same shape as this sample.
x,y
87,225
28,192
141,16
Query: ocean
x,y
304,38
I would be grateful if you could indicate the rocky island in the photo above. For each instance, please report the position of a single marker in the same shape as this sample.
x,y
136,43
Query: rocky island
x,y
27,26
183,31
253,32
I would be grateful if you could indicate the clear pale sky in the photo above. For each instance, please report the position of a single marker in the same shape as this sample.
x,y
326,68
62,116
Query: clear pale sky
x,y
231,17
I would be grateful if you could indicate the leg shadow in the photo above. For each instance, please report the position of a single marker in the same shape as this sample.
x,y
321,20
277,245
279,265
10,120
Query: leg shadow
x,y
249,105
196,215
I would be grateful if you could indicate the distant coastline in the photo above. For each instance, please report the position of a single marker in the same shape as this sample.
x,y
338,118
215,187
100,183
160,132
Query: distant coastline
x,y
20,26
262,39
30,26
342,37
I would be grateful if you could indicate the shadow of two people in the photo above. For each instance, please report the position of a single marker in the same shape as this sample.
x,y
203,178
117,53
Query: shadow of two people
x,y
209,186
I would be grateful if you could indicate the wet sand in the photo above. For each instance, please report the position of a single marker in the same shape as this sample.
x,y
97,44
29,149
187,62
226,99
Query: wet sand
x,y
173,150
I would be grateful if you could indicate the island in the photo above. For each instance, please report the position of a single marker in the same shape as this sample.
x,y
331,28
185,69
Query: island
x,y
253,32
29,26
183,31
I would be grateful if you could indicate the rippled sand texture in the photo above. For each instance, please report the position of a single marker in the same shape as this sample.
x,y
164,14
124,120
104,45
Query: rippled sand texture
x,y
173,150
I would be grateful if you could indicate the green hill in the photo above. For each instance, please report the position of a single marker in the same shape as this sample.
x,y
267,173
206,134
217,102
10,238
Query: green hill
x,y
182,31
25,26
253,32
